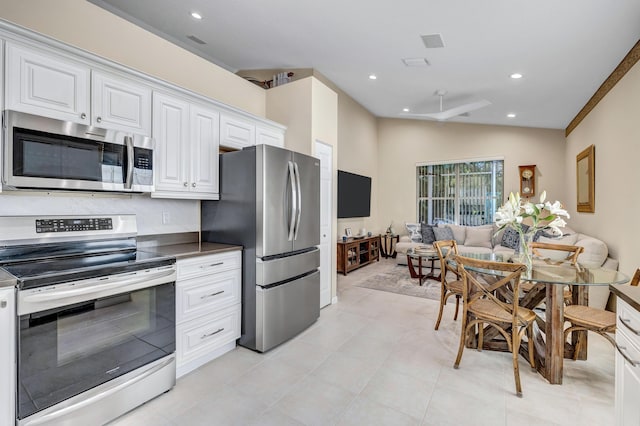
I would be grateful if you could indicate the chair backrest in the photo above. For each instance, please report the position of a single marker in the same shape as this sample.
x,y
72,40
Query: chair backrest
x,y
572,251
446,250
636,278
499,284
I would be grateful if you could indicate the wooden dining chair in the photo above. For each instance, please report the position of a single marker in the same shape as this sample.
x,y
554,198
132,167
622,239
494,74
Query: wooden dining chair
x,y
572,256
593,319
495,303
452,285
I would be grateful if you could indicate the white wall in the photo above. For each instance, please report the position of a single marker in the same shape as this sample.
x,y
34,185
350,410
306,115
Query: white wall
x,y
612,126
402,144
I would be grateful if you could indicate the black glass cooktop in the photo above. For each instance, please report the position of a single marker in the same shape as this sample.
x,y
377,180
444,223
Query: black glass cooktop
x,y
55,270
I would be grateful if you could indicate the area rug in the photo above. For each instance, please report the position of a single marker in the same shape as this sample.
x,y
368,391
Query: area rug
x,y
398,280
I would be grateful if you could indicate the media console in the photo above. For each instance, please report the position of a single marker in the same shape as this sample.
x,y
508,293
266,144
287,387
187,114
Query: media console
x,y
354,253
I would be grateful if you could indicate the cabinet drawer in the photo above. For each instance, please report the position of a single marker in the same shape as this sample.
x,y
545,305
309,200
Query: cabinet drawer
x,y
628,321
198,296
198,337
209,264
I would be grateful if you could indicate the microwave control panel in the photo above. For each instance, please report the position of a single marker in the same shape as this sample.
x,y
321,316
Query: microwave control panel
x,y
73,225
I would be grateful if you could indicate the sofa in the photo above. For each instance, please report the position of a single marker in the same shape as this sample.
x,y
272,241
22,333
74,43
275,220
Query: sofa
x,y
486,239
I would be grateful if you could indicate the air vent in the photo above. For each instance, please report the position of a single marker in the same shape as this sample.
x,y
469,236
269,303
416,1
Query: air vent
x,y
195,39
432,41
416,62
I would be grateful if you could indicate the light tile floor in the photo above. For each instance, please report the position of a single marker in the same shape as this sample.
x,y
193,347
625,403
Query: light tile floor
x,y
374,359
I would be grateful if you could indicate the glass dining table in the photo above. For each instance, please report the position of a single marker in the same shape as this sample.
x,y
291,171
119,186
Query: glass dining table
x,y
550,278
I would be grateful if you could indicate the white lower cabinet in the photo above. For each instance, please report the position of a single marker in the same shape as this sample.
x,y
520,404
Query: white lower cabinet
x,y
208,306
7,356
627,392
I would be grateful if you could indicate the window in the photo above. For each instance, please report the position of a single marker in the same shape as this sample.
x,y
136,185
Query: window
x,y
461,193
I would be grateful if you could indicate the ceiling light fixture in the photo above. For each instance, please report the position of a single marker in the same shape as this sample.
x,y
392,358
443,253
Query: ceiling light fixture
x,y
416,62
196,15
511,115
405,109
372,77
516,75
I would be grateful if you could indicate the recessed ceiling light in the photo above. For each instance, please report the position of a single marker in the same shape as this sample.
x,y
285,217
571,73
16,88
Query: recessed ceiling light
x,y
416,62
516,75
511,115
372,77
405,109
196,15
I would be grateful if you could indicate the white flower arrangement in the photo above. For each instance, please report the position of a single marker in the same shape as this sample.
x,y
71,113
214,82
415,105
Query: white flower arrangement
x,y
544,215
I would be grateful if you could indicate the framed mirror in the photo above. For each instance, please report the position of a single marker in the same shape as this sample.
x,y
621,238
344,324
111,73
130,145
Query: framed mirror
x,y
586,180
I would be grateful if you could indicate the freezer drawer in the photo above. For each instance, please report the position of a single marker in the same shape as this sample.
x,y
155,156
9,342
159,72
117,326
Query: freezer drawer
x,y
276,270
284,311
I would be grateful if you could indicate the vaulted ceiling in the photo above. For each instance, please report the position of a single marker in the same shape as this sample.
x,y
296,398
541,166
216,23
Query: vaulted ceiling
x,y
563,49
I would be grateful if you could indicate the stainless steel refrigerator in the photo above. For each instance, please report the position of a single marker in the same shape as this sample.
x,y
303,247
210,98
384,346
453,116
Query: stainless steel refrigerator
x,y
270,204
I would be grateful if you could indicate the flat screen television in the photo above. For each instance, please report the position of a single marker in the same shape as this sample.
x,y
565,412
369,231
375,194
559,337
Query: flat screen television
x,y
354,195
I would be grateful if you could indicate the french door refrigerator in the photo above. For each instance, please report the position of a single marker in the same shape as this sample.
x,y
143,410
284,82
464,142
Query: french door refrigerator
x,y
270,204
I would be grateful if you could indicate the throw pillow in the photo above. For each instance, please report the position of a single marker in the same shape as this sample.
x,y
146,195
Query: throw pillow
x,y
459,232
479,236
414,232
443,234
428,237
510,239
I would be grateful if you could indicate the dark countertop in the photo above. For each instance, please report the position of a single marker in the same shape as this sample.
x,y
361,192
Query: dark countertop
x,y
629,294
186,250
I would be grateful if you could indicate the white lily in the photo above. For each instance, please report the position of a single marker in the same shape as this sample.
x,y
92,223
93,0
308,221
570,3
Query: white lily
x,y
556,224
543,196
528,208
556,209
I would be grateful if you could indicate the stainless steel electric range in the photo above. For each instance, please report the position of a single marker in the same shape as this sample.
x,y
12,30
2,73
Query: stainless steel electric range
x,y
95,317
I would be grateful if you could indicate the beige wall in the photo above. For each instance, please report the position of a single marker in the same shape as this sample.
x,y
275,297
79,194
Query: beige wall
x,y
89,27
612,126
358,153
404,143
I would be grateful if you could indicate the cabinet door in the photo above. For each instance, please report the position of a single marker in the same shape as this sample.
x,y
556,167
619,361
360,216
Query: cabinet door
x,y
235,133
120,104
171,134
269,137
205,139
7,356
627,381
46,85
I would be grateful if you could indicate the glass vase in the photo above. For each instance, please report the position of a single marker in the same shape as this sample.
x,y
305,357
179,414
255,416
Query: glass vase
x,y
526,239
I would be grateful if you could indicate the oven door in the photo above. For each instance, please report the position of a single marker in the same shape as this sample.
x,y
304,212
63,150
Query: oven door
x,y
66,350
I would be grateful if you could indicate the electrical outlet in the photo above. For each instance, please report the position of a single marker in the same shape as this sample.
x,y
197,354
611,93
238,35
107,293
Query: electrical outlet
x,y
166,218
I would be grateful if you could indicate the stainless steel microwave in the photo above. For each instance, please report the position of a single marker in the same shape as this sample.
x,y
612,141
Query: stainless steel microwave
x,y
43,153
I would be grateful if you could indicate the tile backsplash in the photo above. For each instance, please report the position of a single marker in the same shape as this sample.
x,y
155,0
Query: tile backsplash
x,y
155,216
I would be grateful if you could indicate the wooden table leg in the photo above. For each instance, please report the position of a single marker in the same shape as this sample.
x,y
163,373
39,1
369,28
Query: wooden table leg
x,y
554,332
580,296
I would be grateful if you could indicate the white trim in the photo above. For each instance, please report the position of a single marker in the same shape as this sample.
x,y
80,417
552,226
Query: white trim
x,y
466,160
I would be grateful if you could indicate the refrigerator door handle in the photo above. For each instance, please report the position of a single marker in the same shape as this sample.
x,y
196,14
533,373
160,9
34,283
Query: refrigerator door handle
x,y
294,201
299,208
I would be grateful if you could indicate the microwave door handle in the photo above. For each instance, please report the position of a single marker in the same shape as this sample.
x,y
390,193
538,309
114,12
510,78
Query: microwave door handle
x,y
299,208
294,201
128,141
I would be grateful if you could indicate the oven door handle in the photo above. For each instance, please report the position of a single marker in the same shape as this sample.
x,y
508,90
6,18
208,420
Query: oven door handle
x,y
114,283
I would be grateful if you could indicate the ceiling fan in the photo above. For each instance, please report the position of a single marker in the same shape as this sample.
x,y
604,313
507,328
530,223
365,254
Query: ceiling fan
x,y
446,114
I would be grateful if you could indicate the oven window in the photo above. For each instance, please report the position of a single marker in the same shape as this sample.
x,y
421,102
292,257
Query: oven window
x,y
65,351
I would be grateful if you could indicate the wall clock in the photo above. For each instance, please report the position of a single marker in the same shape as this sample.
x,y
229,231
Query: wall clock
x,y
528,180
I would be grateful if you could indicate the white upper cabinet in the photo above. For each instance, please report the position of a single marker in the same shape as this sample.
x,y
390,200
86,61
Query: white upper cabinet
x,y
171,134
236,133
186,151
42,84
205,139
120,104
269,137
57,87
